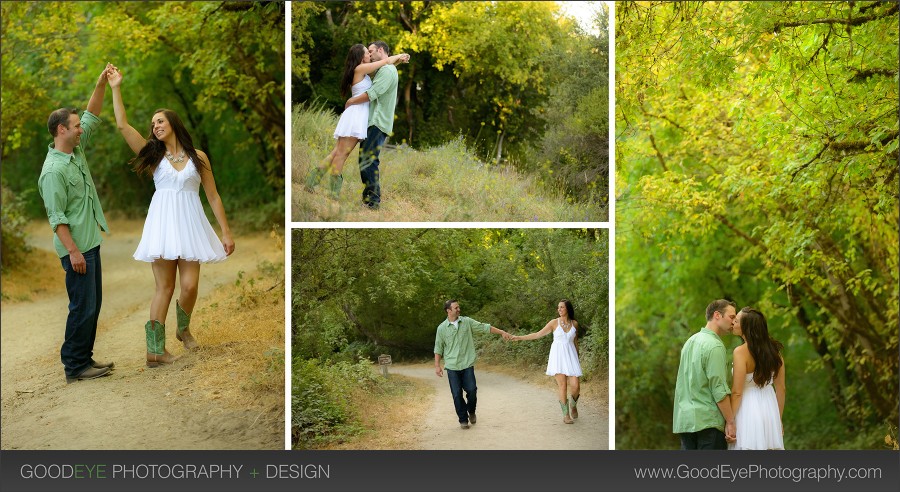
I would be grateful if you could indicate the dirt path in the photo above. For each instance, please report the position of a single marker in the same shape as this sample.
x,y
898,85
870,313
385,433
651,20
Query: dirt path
x,y
133,408
512,414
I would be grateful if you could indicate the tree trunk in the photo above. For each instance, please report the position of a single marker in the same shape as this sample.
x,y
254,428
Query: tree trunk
x,y
407,97
500,147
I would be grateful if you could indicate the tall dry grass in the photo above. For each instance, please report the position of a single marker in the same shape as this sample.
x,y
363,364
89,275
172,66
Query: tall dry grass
x,y
441,184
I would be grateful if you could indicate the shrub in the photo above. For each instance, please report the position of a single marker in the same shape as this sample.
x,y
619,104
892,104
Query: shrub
x,y
321,399
14,245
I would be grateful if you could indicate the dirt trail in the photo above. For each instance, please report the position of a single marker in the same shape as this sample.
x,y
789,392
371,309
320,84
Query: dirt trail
x,y
512,414
135,407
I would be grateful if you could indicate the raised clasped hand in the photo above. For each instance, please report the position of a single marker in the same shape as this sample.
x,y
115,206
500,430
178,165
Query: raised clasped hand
x,y
113,75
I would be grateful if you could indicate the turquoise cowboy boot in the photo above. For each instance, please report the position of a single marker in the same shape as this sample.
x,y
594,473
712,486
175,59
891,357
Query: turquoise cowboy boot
x,y
564,406
156,344
335,181
313,177
183,333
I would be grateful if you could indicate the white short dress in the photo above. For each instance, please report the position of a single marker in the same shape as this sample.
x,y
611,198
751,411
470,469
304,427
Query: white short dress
x,y
563,356
758,421
354,120
176,226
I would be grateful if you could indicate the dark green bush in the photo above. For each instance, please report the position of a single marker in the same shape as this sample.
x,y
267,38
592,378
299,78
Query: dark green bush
x,y
13,246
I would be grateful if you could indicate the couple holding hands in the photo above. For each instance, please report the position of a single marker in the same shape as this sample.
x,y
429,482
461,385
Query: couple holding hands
x,y
177,237
455,344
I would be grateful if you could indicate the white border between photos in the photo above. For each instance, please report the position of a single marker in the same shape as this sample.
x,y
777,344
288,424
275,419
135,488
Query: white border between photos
x,y
290,225
611,217
287,226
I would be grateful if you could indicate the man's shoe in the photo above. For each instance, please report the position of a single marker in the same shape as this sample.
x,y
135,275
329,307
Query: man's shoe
x,y
89,373
101,365
472,418
464,425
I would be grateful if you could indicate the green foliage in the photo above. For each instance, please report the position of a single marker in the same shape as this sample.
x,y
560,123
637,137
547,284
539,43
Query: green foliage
x,y
13,221
301,40
315,408
487,71
36,55
320,408
756,160
366,291
574,150
222,71
499,49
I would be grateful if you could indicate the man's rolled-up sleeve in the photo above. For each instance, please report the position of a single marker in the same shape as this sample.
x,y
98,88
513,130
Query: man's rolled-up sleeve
x,y
481,327
53,191
89,123
715,373
383,84
438,343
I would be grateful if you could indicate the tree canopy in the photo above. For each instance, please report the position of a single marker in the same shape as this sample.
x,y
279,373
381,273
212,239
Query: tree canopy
x,y
756,160
220,65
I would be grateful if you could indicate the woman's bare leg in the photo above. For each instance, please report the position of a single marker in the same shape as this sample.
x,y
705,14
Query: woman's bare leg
x,y
342,150
164,275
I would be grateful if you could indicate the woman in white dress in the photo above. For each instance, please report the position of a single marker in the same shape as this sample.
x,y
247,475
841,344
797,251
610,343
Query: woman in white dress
x,y
354,122
758,390
177,236
563,362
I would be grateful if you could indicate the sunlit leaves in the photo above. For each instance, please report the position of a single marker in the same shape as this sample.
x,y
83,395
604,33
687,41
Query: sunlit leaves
x,y
40,44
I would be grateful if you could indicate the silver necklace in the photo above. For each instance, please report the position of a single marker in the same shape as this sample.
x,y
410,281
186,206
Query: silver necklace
x,y
175,159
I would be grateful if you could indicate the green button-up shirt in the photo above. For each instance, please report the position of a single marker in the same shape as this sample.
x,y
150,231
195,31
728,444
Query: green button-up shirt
x,y
701,383
383,98
69,194
454,342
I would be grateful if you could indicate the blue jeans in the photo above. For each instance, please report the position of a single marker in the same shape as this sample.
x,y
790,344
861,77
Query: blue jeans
x,y
711,438
85,295
369,153
459,381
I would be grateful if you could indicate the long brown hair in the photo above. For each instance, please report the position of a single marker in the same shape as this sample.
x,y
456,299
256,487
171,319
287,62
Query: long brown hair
x,y
152,153
764,349
354,58
570,311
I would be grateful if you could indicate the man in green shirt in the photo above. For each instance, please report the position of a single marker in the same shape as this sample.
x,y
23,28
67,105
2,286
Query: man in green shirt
x,y
454,343
702,412
75,214
382,97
